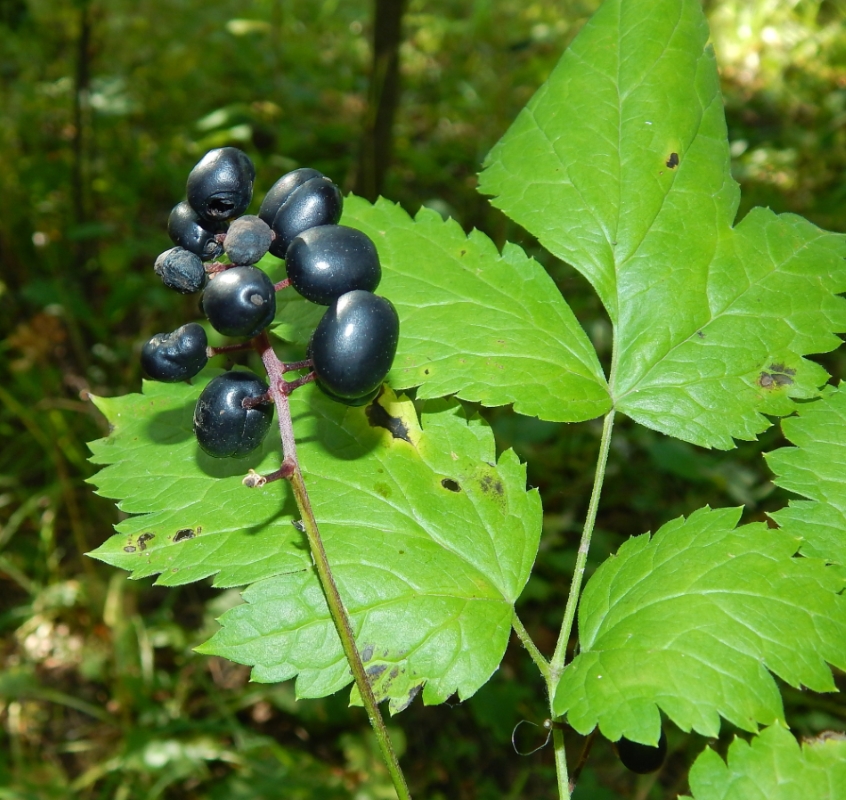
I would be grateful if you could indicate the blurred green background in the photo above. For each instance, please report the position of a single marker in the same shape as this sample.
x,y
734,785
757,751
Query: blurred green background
x,y
104,108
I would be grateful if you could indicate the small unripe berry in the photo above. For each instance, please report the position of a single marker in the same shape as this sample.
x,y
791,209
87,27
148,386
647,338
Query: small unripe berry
x,y
181,270
247,240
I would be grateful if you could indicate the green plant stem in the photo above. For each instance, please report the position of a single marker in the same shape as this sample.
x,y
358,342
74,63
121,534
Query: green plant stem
x,y
559,657
556,664
523,635
330,589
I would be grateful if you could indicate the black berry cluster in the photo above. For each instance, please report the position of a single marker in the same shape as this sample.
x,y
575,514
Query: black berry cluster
x,y
353,346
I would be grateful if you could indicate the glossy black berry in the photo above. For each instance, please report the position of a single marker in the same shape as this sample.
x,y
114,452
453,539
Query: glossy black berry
x,y
220,186
222,425
240,301
181,270
642,758
330,260
176,356
354,345
247,240
317,202
188,230
281,190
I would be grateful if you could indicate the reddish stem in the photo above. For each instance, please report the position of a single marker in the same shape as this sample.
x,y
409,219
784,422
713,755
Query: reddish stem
x,y
228,348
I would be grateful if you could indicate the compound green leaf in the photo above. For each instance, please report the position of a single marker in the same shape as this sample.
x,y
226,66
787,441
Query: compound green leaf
x,y
431,541
430,537
773,766
620,166
816,469
692,621
487,327
191,517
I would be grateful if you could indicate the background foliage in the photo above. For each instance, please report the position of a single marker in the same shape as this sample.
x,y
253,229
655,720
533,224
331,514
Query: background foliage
x,y
104,109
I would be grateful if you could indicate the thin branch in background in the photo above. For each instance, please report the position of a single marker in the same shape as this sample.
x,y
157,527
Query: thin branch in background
x,y
382,99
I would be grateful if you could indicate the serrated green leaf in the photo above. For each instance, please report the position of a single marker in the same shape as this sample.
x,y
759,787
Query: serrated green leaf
x,y
816,469
431,541
620,166
692,621
773,766
192,517
487,327
430,538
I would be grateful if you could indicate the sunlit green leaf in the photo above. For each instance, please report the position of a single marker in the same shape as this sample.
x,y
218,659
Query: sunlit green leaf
x,y
430,537
627,143
484,326
692,621
816,469
773,766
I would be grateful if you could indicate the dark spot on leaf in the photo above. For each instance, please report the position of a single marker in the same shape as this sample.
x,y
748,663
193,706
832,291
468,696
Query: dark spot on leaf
x,y
367,653
780,375
700,334
673,160
404,704
394,672
383,490
144,538
450,485
183,533
374,671
425,371
298,524
379,418
463,252
129,549
488,484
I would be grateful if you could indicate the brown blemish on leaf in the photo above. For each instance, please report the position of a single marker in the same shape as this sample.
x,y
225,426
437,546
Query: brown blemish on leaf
x,y
144,538
129,549
383,490
183,533
375,671
673,160
367,653
778,376
700,334
378,417
450,485
489,485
